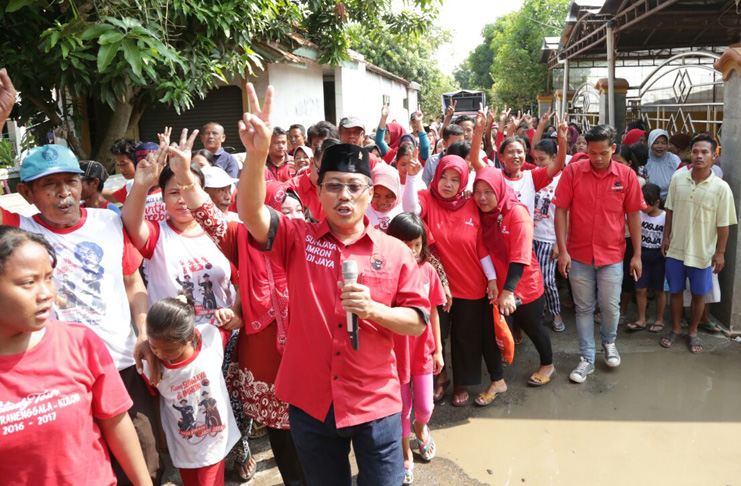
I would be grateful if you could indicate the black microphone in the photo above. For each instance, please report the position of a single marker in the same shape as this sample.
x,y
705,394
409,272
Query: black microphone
x,y
350,275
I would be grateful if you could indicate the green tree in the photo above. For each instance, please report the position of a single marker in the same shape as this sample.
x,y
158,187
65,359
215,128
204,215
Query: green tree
x,y
110,59
510,53
409,56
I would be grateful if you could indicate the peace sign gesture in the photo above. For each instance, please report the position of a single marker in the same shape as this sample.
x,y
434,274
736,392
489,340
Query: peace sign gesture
x,y
255,129
482,115
563,128
180,155
547,116
148,170
165,137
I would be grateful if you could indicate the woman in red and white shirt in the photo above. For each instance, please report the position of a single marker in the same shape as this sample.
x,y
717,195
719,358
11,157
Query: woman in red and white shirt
x,y
455,225
63,402
508,235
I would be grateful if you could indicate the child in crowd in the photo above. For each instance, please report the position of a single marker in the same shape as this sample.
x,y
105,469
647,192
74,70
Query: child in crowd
x,y
544,234
418,357
653,220
386,202
194,402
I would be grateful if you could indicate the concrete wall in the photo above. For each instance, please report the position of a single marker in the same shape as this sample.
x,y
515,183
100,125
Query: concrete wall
x,y
360,93
299,92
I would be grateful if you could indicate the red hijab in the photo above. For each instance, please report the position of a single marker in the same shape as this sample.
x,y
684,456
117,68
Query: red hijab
x,y
506,201
395,132
459,165
633,136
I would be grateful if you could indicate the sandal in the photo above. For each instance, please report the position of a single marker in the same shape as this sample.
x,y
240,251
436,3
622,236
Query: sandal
x,y
459,401
408,474
635,327
427,449
710,327
485,398
558,325
440,390
243,468
695,345
622,320
257,430
655,327
536,379
669,339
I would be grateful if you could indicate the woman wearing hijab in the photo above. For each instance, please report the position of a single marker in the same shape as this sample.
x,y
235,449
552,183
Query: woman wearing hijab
x,y
508,236
661,164
386,202
455,225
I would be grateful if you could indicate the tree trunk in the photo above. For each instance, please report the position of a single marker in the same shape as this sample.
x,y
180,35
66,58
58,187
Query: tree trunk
x,y
114,129
136,114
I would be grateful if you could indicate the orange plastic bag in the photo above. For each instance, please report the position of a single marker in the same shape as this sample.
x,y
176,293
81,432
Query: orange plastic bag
x,y
505,341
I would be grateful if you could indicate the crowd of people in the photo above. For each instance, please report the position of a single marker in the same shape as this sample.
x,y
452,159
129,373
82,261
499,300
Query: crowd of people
x,y
313,291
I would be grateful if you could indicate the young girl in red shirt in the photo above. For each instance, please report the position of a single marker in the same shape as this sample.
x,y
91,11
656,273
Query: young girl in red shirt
x,y
418,357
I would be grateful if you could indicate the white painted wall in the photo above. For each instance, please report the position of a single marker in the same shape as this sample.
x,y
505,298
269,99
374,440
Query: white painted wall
x,y
299,94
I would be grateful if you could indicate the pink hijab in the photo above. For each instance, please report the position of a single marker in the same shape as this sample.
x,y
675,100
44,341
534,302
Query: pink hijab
x,y
506,201
388,177
459,165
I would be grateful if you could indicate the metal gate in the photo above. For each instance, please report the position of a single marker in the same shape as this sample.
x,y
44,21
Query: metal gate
x,y
584,107
683,94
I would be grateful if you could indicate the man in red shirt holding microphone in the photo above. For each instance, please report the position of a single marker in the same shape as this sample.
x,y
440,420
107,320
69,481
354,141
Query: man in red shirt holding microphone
x,y
337,395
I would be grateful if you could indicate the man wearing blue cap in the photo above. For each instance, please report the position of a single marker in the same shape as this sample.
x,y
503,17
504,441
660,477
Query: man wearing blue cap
x,y
99,265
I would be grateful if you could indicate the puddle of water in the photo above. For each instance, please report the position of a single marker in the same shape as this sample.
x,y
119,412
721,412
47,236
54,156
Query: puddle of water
x,y
661,418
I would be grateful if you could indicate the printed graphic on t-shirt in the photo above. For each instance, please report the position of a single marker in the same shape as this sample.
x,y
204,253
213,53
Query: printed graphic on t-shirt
x,y
200,415
200,291
543,199
652,231
33,411
80,303
320,252
383,223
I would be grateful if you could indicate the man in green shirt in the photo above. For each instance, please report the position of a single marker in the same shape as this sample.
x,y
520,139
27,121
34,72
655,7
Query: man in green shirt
x,y
699,211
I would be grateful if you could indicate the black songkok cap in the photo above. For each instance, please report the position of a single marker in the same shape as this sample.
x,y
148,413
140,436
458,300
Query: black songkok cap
x,y
345,157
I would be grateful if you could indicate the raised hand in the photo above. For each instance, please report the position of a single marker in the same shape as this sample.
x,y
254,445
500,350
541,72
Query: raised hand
x,y
547,116
450,110
482,115
528,119
255,129
504,116
417,118
385,111
414,166
8,95
148,170
165,137
180,155
563,128
490,114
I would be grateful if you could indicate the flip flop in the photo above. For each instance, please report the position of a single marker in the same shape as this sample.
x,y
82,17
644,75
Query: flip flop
x,y
710,327
558,326
457,402
539,380
485,398
427,449
408,475
440,390
635,327
668,339
694,342
656,328
243,468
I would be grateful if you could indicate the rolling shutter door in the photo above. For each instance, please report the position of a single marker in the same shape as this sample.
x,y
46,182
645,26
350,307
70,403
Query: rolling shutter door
x,y
222,105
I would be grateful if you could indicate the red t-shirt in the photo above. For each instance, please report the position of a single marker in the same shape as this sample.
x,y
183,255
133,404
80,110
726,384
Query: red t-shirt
x,y
280,174
51,397
306,191
517,229
597,203
319,367
459,241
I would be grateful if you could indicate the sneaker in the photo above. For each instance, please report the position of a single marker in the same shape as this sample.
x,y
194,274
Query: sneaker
x,y
579,375
612,357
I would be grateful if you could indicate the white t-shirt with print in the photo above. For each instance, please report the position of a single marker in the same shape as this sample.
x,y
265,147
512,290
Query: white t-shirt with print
x,y
195,410
154,206
179,264
89,278
544,212
652,230
524,188
381,220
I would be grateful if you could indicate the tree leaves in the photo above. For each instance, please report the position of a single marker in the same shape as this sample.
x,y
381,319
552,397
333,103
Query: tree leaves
x,y
106,54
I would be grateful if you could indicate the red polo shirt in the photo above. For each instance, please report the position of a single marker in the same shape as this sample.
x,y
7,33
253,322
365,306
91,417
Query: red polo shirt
x,y
280,174
319,366
517,229
301,185
597,203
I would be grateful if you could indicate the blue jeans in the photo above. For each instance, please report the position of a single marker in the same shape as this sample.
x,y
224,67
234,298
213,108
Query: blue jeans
x,y
324,450
591,284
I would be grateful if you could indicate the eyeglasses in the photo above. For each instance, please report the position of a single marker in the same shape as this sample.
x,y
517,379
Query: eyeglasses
x,y
354,188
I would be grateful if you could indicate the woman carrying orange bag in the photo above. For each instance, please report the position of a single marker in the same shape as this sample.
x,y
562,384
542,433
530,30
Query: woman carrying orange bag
x,y
508,235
